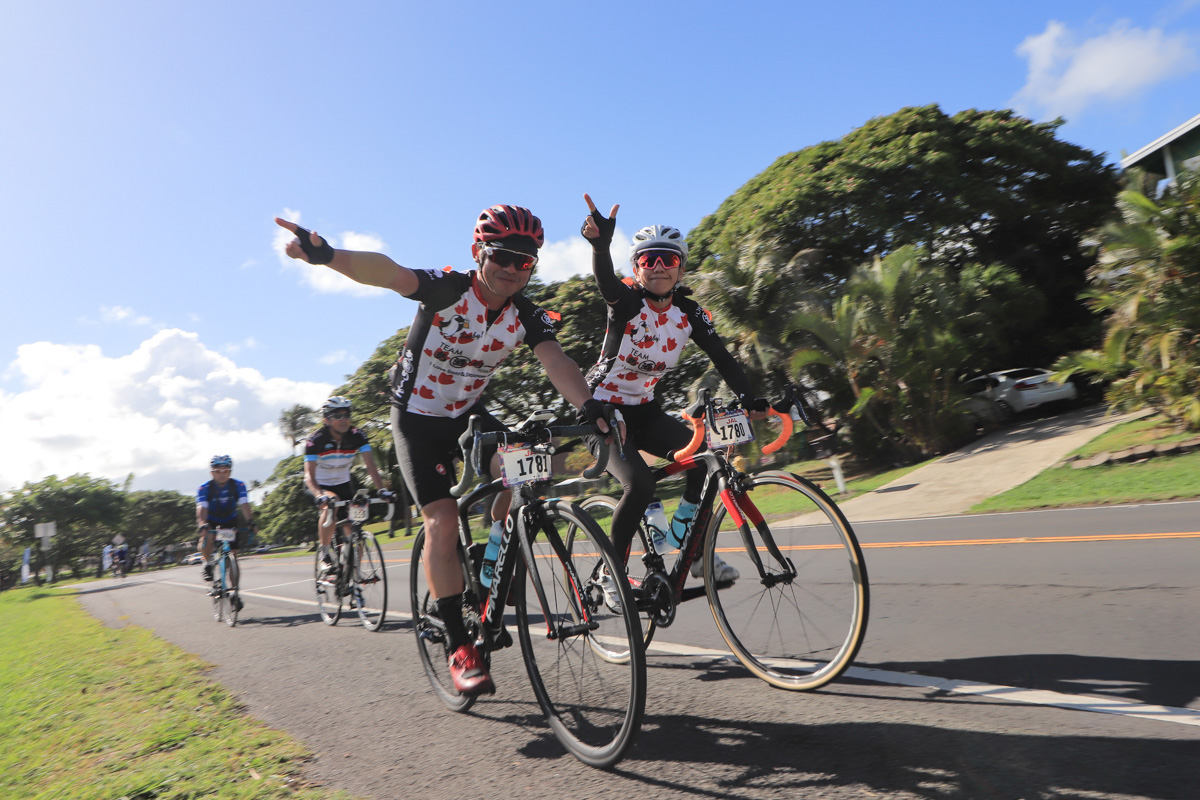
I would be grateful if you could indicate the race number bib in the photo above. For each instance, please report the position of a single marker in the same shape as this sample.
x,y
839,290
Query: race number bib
x,y
519,464
359,512
226,534
732,427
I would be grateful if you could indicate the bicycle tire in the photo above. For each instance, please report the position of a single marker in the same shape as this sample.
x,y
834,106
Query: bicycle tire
x,y
231,573
217,590
369,583
600,508
431,635
798,634
329,599
593,705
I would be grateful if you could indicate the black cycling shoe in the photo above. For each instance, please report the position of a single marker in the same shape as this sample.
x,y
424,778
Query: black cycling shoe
x,y
207,572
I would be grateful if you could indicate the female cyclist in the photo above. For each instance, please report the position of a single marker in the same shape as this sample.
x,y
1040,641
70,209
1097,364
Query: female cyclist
x,y
650,319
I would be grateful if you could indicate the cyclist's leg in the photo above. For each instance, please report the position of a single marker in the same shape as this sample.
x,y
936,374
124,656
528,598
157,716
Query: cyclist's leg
x,y
204,545
425,448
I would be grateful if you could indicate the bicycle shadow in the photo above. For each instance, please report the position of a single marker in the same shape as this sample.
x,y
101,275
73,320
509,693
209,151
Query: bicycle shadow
x,y
900,759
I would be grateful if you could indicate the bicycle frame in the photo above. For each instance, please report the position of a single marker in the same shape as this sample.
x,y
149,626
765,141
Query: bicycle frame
x,y
720,481
522,524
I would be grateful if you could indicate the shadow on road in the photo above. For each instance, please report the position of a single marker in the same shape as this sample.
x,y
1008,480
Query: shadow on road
x,y
788,760
1165,683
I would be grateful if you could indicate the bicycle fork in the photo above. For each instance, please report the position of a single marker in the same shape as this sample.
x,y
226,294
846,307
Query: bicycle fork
x,y
742,511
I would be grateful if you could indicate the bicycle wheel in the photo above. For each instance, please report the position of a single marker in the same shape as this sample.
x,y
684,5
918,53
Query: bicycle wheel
x,y
798,624
233,603
600,508
431,633
329,599
369,587
593,704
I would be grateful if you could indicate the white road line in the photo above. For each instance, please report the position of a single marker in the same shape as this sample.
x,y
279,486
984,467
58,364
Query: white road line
x,y
1040,697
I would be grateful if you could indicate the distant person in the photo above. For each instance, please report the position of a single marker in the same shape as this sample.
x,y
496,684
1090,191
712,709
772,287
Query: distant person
x,y
328,456
218,503
467,323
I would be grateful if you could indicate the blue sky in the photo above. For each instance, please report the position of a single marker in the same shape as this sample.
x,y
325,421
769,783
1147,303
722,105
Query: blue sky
x,y
149,317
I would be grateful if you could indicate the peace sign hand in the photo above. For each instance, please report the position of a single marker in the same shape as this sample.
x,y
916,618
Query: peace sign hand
x,y
597,228
307,246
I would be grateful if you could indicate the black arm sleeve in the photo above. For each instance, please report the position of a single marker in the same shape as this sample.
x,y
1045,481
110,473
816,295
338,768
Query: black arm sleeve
x,y
705,335
611,287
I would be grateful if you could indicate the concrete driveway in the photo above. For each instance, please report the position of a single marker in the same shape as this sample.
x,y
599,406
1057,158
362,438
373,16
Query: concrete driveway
x,y
987,467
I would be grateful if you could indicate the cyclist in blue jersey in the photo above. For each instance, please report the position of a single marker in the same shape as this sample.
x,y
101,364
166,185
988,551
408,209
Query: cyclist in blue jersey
x,y
650,320
218,502
328,456
466,324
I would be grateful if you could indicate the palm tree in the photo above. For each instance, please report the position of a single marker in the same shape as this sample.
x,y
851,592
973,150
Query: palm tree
x,y
753,298
1147,283
296,422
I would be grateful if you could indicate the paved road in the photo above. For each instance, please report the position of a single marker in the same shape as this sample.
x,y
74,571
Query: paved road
x,y
978,627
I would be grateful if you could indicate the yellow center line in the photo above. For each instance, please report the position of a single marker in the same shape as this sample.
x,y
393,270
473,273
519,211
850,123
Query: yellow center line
x,y
1114,537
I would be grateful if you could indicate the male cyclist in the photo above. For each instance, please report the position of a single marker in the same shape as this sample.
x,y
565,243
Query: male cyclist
x,y
467,323
217,504
650,319
328,455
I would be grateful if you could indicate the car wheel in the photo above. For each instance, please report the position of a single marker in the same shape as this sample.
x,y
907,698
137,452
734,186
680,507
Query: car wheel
x,y
1006,410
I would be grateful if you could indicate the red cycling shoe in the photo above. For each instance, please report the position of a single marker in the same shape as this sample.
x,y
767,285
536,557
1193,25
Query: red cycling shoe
x,y
468,672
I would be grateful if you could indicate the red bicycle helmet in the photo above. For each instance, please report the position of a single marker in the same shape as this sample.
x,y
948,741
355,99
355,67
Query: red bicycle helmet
x,y
500,222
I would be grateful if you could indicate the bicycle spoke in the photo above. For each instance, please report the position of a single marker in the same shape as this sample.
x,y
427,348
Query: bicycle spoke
x,y
798,623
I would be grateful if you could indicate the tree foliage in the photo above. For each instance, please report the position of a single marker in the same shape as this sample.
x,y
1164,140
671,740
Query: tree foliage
x,y
1146,284
295,423
891,351
163,517
86,511
985,187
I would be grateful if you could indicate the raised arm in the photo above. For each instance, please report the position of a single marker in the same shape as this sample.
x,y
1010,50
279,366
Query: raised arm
x,y
598,230
373,269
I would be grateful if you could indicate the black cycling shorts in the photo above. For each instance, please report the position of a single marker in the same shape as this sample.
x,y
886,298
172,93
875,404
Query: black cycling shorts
x,y
427,447
344,491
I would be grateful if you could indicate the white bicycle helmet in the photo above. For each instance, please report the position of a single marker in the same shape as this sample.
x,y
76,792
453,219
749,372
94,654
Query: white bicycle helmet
x,y
335,403
658,237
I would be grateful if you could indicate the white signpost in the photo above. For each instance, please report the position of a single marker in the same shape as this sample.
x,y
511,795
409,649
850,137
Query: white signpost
x,y
45,531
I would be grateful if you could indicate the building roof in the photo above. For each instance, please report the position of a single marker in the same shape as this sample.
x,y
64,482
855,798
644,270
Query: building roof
x,y
1177,146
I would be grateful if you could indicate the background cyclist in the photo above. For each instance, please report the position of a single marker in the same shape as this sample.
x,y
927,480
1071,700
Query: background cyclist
x,y
218,502
650,319
328,456
467,323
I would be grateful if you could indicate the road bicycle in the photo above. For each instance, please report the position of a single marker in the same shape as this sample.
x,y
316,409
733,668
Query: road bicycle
x,y
227,602
798,614
359,573
594,706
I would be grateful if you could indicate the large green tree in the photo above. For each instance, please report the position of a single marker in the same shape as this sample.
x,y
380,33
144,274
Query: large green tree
x,y
162,517
1146,285
296,422
986,187
86,511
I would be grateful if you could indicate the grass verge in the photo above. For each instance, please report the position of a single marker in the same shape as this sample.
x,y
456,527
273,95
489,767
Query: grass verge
x,y
1155,479
91,712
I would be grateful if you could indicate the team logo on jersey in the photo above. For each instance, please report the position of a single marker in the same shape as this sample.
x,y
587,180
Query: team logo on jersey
x,y
455,329
441,468
433,273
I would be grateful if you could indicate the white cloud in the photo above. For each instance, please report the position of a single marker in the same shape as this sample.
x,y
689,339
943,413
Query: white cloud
x,y
159,412
121,315
1067,74
558,261
322,278
336,357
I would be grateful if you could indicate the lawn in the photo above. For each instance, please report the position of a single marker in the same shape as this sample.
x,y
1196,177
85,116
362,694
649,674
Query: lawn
x,y
89,712
1155,479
